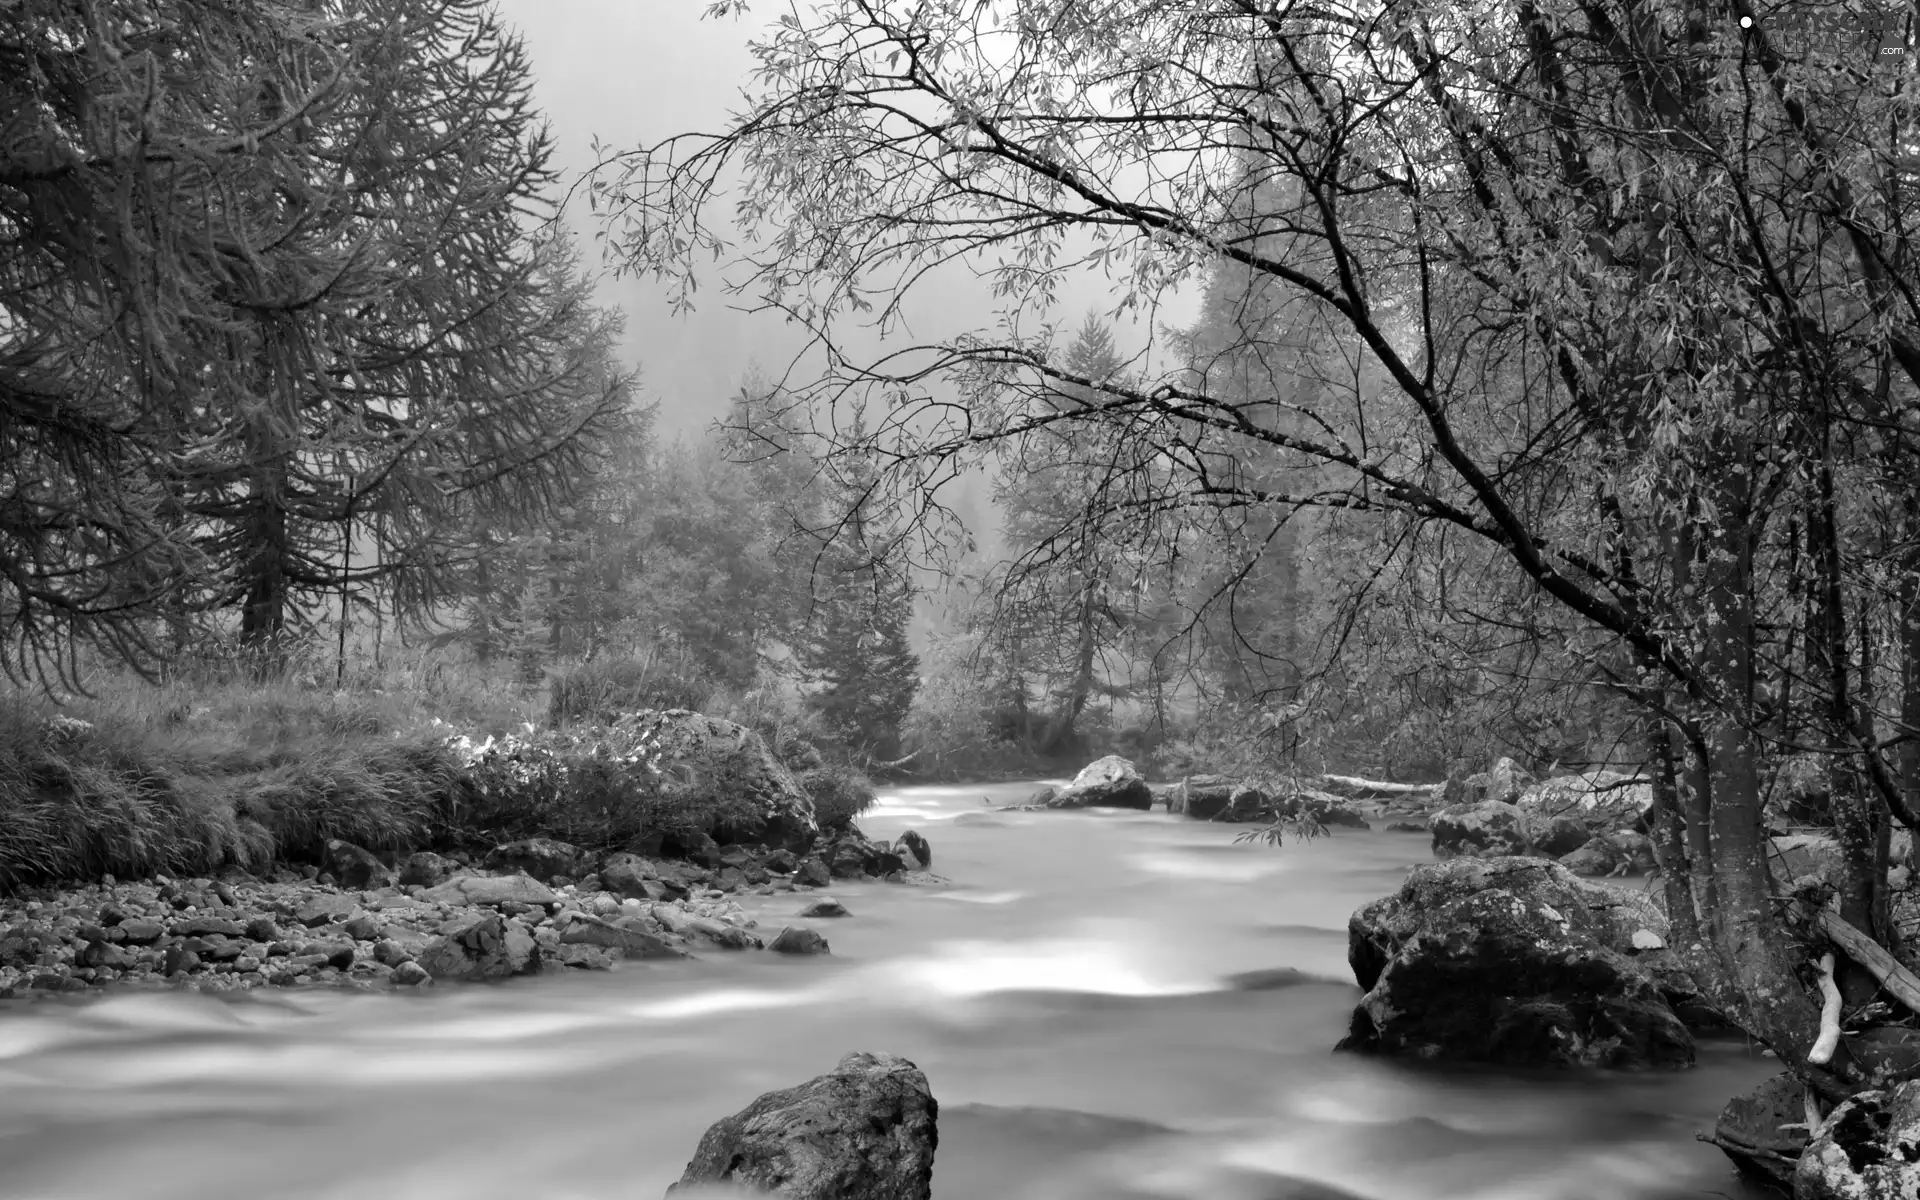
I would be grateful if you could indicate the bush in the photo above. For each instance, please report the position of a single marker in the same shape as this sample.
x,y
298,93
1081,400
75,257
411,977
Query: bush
x,y
601,690
839,794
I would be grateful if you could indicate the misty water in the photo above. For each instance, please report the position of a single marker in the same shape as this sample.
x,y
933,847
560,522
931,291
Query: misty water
x,y
1107,1004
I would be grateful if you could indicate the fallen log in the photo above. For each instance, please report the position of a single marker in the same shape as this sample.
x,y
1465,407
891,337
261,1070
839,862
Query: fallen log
x,y
1903,985
1354,784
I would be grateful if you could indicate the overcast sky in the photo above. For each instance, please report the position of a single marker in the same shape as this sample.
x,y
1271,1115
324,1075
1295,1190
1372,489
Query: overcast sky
x,y
631,72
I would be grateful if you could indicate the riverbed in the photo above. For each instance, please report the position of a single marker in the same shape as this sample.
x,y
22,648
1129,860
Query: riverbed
x,y
1110,1005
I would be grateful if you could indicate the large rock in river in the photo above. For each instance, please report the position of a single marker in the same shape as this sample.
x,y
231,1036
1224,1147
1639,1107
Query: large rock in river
x,y
765,803
1518,962
1110,782
866,1131
1202,797
1868,1148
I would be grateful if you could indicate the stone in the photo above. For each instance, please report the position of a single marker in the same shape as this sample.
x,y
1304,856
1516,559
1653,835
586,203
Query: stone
x,y
261,929
390,952
1202,797
795,940
780,862
1561,835
719,933
106,956
813,871
537,858
1110,782
1602,801
204,926
582,957
411,974
1618,853
771,807
141,932
1406,827
490,889
823,906
480,946
866,1131
1868,1148
1486,829
1516,962
365,928
1506,780
694,845
354,866
327,953
324,909
628,875
1323,807
1764,1131
586,930
914,851
426,869
178,961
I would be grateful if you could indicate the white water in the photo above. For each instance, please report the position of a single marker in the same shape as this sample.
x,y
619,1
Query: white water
x,y
1071,999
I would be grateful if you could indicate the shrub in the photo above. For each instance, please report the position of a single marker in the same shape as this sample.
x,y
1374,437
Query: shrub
x,y
839,794
603,689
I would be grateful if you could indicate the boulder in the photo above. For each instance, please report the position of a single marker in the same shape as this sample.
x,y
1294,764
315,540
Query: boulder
x,y
539,858
719,933
1517,962
1618,853
585,930
1798,854
1868,1148
1764,1131
491,889
1560,835
795,940
324,909
354,867
426,869
823,906
1110,782
1488,828
480,946
867,1131
1506,780
914,851
1323,807
1603,801
766,803
1406,827
780,862
814,872
629,875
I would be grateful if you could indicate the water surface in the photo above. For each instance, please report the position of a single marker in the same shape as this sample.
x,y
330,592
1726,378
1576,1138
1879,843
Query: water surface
x,y
1107,1004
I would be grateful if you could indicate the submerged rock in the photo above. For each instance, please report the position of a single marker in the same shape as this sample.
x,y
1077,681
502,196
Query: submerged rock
x,y
866,1131
1516,961
1110,782
823,906
795,940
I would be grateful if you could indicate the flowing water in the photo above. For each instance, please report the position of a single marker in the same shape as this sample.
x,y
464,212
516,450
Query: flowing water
x,y
1108,1005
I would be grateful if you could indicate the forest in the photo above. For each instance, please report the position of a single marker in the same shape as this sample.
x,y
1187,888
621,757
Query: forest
x,y
1554,393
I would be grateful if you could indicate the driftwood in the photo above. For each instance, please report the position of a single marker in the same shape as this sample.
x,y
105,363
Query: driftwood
x,y
1829,1041
1349,784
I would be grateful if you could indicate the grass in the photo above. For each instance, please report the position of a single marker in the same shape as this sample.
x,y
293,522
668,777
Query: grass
x,y
225,764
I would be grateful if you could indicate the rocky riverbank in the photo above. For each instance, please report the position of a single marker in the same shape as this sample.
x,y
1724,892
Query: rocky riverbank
x,y
530,907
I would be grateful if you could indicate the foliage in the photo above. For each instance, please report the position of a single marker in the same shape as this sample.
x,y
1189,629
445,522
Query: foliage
x,y
601,689
839,794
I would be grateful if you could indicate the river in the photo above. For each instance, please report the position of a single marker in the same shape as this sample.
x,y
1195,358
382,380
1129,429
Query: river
x,y
1108,1005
